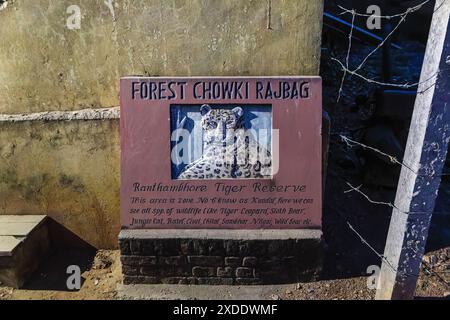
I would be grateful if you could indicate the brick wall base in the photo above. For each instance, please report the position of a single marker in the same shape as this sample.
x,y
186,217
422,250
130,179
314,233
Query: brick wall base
x,y
220,257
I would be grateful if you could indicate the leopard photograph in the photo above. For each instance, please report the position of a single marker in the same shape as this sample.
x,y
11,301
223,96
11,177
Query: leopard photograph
x,y
229,151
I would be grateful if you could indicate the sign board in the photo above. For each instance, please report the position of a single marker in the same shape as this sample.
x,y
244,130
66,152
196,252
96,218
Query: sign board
x,y
223,153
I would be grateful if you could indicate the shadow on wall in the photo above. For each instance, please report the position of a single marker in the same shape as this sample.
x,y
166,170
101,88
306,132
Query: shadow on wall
x,y
61,237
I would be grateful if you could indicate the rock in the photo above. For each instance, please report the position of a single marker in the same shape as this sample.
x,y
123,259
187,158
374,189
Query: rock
x,y
102,261
275,297
431,260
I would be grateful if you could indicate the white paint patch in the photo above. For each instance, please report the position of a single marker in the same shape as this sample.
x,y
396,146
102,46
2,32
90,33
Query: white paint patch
x,y
85,114
110,5
3,5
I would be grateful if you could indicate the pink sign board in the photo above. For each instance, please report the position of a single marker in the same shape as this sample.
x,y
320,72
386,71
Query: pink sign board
x,y
221,153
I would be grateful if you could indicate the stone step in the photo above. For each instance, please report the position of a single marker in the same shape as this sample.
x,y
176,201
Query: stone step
x,y
24,242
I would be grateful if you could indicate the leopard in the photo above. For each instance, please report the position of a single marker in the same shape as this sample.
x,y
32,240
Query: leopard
x,y
228,152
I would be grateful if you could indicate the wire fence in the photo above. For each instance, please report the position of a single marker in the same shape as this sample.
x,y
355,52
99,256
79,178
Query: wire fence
x,y
349,142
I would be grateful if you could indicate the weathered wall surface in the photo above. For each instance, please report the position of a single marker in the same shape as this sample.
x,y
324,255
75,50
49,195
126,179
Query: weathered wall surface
x,y
70,169
46,66
66,169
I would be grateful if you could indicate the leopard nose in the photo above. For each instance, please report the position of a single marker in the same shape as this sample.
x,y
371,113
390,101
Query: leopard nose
x,y
224,130
221,129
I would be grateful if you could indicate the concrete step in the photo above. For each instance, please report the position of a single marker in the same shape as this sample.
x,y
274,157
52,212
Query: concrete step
x,y
24,242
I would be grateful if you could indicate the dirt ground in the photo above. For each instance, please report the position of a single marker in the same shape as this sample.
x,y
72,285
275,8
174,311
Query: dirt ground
x,y
102,276
101,273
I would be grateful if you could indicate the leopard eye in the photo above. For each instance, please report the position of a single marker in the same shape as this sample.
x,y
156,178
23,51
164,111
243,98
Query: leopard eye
x,y
212,125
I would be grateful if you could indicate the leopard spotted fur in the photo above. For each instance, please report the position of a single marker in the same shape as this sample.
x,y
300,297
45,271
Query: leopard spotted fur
x,y
229,153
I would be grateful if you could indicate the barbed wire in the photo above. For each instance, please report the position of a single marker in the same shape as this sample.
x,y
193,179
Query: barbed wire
x,y
383,258
347,59
406,12
381,83
389,204
403,18
358,190
352,143
389,264
346,70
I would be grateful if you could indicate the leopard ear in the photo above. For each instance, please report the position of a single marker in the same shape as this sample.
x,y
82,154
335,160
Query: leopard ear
x,y
204,109
238,112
